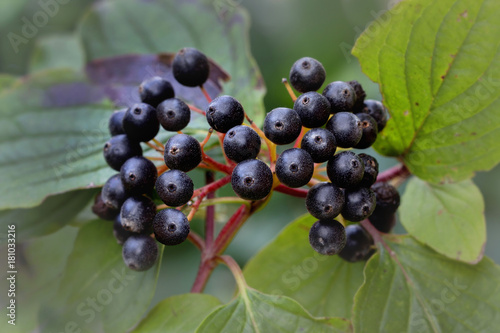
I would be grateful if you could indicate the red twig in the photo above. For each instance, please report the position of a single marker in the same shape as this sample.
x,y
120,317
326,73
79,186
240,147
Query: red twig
x,y
230,229
210,215
399,170
295,192
205,93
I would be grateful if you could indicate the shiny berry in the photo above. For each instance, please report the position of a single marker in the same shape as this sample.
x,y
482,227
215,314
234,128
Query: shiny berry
x,y
119,149
140,252
345,169
224,112
175,188
155,90
171,227
313,109
320,144
294,167
173,114
327,237
241,143
282,126
307,74
252,180
182,152
190,67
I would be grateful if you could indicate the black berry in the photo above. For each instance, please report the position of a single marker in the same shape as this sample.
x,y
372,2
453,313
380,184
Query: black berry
x,y
224,112
252,180
175,188
347,129
190,67
378,111
369,129
171,227
140,252
282,126
341,96
155,90
313,109
327,237
383,217
182,152
359,244
137,214
114,193
325,201
121,235
345,169
294,167
173,114
320,144
360,95
359,204
119,149
115,124
241,143
102,210
140,122
138,175
371,170
307,74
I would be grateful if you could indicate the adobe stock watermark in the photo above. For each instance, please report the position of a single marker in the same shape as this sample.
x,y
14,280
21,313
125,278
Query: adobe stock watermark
x,y
32,25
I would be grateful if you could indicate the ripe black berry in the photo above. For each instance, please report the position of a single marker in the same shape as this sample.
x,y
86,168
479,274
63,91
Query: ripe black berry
x,y
173,114
341,96
369,129
190,67
320,144
313,109
359,204
113,192
358,244
325,201
121,235
102,210
345,169
140,122
360,95
224,112
119,149
140,252
241,143
282,126
171,227
252,180
347,129
137,214
327,237
307,74
371,170
138,175
378,111
383,217
182,152
294,167
115,124
175,188
155,90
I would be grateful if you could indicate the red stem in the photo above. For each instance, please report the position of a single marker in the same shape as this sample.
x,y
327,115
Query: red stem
x,y
219,166
231,228
399,170
205,93
206,268
210,214
295,192
212,186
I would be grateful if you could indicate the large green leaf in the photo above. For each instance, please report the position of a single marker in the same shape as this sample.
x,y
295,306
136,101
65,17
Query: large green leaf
x,y
417,290
98,293
253,311
115,27
57,51
449,218
438,66
181,313
324,285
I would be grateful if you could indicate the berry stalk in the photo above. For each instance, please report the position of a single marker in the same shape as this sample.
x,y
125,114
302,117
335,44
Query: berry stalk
x,y
398,171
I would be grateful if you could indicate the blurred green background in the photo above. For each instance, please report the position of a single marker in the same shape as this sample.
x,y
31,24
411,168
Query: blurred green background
x,y
281,32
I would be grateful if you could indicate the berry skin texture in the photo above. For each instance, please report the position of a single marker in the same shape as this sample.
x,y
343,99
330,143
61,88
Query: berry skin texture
x,y
359,204
120,234
282,126
190,67
313,109
173,114
307,74
241,143
327,237
358,244
113,192
345,169
137,214
138,175
377,110
341,96
252,180
171,227
371,170
155,90
182,152
360,95
325,201
294,167
119,149
175,188
320,144
224,112
369,130
102,210
140,252
115,124
140,122
383,217
347,129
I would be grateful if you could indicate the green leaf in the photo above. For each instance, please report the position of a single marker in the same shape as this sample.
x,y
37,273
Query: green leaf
x,y
418,290
324,285
181,313
449,218
57,51
114,28
53,214
438,69
253,311
98,292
